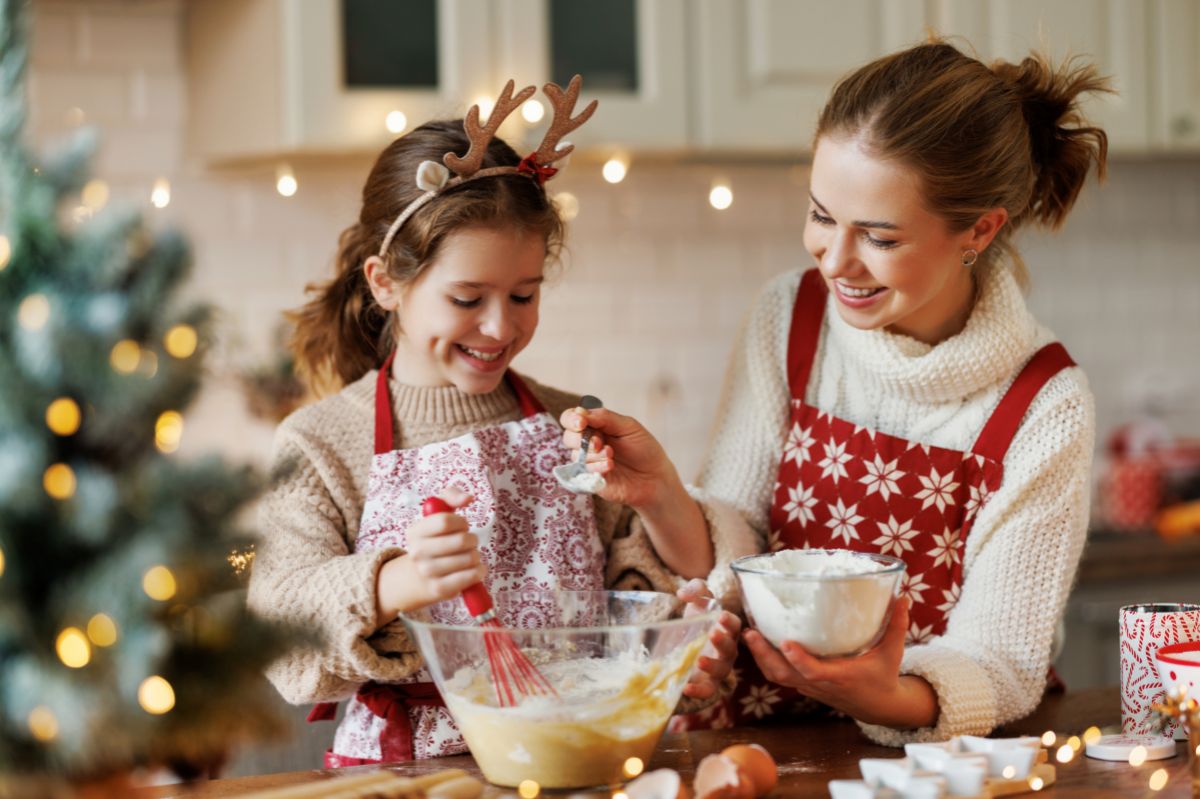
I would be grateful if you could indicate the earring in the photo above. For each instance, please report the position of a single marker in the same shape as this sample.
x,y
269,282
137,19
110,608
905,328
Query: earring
x,y
969,257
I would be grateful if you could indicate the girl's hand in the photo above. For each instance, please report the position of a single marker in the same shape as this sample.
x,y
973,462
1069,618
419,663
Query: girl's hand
x,y
868,687
717,656
442,559
635,467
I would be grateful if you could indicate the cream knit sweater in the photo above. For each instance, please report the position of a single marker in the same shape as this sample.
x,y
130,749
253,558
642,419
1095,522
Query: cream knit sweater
x,y
305,569
1020,559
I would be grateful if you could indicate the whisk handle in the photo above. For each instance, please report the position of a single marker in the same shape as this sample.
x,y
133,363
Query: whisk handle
x,y
475,597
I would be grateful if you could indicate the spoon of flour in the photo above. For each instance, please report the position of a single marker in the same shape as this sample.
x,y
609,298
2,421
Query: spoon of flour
x,y
574,476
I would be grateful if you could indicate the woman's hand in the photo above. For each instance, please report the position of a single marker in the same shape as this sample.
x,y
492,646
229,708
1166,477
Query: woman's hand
x,y
636,469
442,559
638,473
868,687
717,656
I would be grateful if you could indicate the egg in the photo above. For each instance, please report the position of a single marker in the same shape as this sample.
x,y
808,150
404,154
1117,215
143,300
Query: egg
x,y
718,777
663,783
757,764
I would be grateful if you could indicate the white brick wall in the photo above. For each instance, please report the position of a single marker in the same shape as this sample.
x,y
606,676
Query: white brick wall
x,y
656,282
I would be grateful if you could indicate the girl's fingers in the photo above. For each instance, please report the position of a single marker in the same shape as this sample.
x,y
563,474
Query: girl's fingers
x,y
441,545
450,564
772,664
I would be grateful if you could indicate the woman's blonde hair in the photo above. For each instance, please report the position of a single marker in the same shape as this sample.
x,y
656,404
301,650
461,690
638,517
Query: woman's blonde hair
x,y
979,137
341,333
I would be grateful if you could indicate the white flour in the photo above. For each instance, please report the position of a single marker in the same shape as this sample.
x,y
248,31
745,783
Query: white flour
x,y
832,603
587,482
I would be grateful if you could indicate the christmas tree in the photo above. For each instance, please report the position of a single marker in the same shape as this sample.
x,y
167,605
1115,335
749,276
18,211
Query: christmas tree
x,y
124,638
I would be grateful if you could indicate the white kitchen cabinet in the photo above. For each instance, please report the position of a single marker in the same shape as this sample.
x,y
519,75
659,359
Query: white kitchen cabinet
x,y
764,68
644,110
1112,33
266,77
1176,75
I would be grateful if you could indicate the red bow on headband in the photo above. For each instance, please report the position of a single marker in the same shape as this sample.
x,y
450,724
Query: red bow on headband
x,y
529,166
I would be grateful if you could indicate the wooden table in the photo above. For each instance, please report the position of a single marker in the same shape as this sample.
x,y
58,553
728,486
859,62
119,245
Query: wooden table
x,y
810,753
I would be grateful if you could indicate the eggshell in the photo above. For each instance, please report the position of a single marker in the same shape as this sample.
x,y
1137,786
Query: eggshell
x,y
663,783
757,764
718,777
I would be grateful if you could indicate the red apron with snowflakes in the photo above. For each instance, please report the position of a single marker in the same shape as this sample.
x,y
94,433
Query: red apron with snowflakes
x,y
533,535
843,486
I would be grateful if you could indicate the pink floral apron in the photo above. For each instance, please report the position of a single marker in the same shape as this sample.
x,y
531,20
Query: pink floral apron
x,y
533,534
844,486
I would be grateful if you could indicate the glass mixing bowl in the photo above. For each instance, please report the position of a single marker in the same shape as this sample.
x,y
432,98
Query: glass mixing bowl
x,y
618,661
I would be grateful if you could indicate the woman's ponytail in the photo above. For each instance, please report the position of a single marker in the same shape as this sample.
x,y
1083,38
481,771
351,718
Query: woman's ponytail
x,y
1063,145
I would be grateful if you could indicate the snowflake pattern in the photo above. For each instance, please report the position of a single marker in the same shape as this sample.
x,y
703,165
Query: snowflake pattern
x,y
834,463
798,442
759,700
951,598
882,477
918,634
977,498
896,538
800,504
945,548
913,586
842,521
938,489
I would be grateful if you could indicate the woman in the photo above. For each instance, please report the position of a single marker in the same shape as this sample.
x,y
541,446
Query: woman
x,y
900,398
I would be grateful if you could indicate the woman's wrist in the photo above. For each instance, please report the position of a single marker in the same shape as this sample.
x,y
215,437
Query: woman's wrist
x,y
911,704
677,529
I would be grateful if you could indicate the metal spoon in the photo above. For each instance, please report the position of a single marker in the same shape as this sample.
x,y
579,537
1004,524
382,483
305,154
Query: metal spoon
x,y
571,475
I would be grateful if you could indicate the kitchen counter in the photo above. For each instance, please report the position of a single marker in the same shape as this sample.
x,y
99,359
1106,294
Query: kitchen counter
x,y
812,752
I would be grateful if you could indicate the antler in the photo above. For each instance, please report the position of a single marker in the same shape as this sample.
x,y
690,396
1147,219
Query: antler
x,y
480,136
563,122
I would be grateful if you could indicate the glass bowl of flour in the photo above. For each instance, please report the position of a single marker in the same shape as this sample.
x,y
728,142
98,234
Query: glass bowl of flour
x,y
833,602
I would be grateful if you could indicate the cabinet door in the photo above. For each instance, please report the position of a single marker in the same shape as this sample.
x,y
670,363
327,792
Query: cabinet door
x,y
764,68
1177,74
631,54
1113,33
322,112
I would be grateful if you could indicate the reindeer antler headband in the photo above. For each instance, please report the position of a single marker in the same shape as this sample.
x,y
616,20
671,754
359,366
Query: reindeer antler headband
x,y
435,178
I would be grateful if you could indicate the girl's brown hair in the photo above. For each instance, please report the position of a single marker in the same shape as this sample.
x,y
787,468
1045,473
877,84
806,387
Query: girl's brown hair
x,y
341,333
979,137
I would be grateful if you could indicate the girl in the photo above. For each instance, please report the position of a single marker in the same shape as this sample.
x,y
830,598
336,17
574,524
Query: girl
x,y
437,292
899,397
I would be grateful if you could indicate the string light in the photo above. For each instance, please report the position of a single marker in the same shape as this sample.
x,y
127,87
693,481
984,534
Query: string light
x,y
720,197
159,583
148,365
1091,735
59,481
614,170
180,341
94,194
63,416
532,111
241,560
528,789
73,648
1158,780
285,181
396,121
1,561
486,104
1137,755
1048,738
168,431
160,195
1064,754
1009,772
567,204
81,214
1036,783
102,630
1075,743
34,312
156,695
43,724
5,252
125,356
633,767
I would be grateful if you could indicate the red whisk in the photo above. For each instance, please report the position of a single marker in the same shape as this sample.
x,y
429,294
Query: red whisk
x,y
513,676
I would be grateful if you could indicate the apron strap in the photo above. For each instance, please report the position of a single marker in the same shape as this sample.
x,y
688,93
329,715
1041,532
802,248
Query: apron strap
x,y
383,408
530,405
391,702
1002,426
807,316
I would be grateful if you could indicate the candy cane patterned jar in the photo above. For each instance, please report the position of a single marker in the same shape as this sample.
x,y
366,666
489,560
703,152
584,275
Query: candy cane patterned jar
x,y
1144,630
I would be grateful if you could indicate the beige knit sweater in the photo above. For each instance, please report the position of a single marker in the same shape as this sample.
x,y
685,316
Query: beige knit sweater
x,y
1021,556
306,570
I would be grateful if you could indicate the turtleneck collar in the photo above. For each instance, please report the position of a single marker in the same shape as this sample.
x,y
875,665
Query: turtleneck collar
x,y
997,339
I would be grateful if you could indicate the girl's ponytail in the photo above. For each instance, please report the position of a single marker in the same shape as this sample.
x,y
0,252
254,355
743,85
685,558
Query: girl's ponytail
x,y
339,332
1063,145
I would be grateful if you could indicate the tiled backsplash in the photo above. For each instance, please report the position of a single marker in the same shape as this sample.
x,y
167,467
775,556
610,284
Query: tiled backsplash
x,y
655,281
